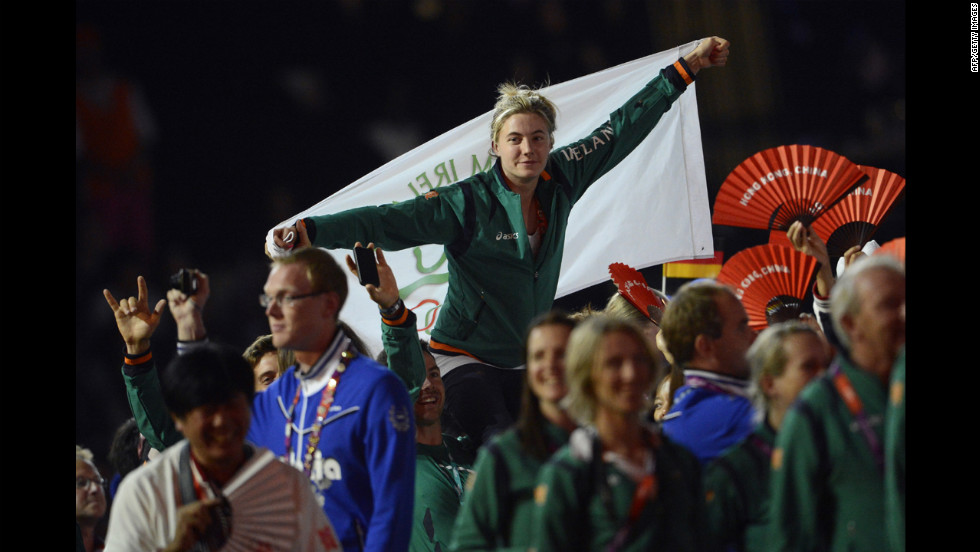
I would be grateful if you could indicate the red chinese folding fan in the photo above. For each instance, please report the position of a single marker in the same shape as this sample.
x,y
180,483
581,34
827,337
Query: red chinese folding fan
x,y
895,247
854,219
633,287
772,282
780,185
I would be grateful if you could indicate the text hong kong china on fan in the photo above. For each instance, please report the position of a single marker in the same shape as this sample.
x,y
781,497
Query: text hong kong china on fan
x,y
759,273
769,177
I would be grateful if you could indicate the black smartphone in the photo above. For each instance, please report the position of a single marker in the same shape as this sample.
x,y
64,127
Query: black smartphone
x,y
367,268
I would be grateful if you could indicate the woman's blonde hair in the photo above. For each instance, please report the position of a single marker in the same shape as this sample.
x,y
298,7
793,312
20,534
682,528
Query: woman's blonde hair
x,y
584,346
767,355
513,99
621,306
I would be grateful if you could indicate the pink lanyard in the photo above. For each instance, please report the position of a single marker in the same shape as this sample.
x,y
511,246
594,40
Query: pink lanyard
x,y
326,400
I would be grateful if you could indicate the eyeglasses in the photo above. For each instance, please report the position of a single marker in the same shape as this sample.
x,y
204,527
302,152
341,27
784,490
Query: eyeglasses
x,y
285,300
83,482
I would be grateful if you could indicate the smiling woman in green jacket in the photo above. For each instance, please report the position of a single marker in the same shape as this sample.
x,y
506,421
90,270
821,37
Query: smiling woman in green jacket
x,y
496,512
618,484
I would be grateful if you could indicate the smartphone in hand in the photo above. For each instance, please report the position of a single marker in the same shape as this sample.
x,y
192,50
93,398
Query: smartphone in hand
x,y
367,268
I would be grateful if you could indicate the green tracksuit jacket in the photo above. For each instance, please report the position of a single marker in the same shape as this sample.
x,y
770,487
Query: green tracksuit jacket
x,y
438,493
496,514
571,513
736,488
827,492
496,284
895,458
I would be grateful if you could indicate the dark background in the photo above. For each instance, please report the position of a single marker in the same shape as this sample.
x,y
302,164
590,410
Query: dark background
x,y
262,109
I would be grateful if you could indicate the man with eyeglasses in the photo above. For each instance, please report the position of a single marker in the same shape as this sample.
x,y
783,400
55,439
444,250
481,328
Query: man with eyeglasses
x,y
90,501
829,464
336,415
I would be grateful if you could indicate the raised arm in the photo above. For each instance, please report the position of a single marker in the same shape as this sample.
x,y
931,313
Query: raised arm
x,y
431,219
188,310
808,242
399,335
589,158
136,323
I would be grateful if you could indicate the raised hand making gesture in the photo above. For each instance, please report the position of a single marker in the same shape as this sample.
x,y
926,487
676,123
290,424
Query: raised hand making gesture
x,y
135,320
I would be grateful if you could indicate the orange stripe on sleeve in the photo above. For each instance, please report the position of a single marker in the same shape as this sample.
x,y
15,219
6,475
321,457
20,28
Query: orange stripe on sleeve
x,y
138,360
682,72
449,348
397,321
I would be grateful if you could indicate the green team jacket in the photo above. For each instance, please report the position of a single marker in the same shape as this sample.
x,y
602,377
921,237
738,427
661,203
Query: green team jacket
x,y
736,489
496,284
571,514
827,493
895,458
438,493
496,514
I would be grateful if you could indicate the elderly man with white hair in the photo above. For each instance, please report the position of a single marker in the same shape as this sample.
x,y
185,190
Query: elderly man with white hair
x,y
828,483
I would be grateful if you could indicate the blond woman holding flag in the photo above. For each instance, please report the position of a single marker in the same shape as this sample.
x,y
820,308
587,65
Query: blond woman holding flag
x,y
503,231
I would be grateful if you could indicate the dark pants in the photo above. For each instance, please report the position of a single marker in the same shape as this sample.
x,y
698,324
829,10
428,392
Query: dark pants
x,y
481,400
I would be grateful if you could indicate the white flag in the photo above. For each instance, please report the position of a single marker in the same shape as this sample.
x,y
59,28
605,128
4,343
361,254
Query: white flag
x,y
650,209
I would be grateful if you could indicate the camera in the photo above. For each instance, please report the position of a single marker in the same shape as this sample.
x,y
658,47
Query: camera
x,y
184,281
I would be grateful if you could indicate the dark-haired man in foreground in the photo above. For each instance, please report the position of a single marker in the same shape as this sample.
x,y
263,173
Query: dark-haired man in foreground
x,y
207,490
